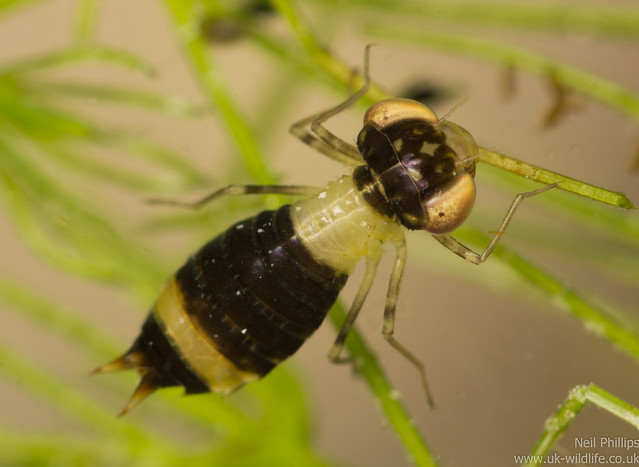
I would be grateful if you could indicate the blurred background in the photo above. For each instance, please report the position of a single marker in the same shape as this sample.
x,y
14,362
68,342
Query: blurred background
x,y
105,105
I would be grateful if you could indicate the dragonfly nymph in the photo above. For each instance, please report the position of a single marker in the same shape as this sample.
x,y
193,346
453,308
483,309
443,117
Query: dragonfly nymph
x,y
250,297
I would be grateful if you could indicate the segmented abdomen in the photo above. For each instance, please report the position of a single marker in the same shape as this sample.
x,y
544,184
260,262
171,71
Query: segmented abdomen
x,y
242,304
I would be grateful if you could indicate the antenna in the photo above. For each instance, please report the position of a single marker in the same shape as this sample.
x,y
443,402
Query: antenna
x,y
451,111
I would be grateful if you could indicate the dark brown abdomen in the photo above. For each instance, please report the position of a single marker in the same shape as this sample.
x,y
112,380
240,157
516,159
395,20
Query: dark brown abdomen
x,y
254,292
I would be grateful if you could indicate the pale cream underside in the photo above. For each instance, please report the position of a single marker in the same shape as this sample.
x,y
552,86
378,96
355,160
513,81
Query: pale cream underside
x,y
196,350
339,227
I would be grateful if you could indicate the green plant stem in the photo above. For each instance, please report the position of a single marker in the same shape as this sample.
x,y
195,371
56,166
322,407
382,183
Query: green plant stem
x,y
367,366
78,54
593,318
219,97
568,411
43,209
6,5
609,93
553,17
111,95
86,15
537,174
340,71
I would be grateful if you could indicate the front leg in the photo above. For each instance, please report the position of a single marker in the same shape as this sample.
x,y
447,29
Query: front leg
x,y
322,140
477,258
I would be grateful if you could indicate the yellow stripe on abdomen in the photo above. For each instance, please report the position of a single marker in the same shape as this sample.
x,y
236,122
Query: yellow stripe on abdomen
x,y
195,348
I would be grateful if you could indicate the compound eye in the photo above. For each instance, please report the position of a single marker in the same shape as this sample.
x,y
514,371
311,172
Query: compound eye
x,y
459,140
449,208
389,111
